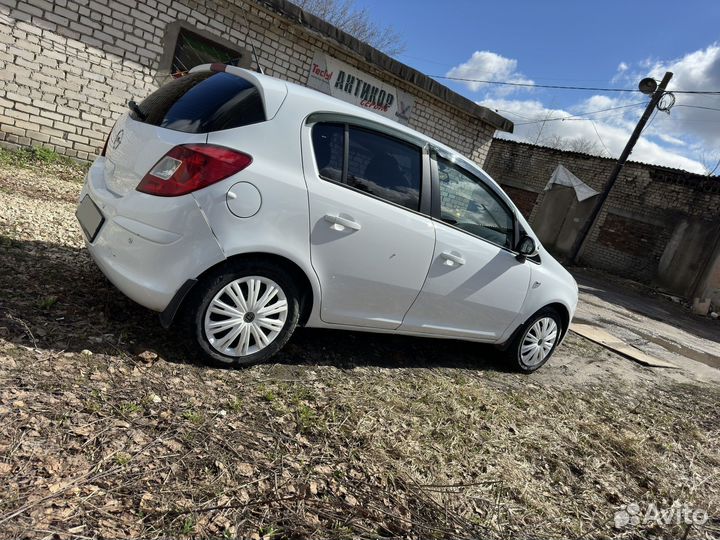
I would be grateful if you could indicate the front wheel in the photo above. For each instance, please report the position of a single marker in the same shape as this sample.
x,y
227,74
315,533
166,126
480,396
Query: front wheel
x,y
535,344
245,315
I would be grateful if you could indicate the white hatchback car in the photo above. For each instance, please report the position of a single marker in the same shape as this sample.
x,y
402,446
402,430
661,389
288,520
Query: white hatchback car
x,y
246,205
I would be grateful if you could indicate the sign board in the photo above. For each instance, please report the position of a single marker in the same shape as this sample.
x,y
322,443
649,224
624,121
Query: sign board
x,y
341,80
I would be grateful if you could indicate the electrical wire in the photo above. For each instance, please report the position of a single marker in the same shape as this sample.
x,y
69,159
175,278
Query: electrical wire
x,y
649,121
572,116
715,168
513,112
559,87
599,137
699,107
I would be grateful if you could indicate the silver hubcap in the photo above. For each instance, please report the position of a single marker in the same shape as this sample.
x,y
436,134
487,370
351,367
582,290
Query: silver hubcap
x,y
246,316
538,341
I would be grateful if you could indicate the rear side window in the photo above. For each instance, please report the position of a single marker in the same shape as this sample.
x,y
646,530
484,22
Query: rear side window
x,y
328,144
377,164
203,102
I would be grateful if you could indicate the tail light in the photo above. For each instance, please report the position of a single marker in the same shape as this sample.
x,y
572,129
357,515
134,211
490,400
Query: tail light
x,y
189,167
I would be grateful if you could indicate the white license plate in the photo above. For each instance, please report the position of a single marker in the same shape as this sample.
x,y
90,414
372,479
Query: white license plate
x,y
90,217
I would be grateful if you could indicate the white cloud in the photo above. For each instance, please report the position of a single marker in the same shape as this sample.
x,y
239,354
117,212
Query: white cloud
x,y
687,138
535,123
621,69
671,140
486,65
699,70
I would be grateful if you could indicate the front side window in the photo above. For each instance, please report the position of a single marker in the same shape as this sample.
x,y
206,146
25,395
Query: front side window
x,y
203,102
468,204
377,164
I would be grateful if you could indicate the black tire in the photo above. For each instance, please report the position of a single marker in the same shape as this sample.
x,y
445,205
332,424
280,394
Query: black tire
x,y
514,351
202,297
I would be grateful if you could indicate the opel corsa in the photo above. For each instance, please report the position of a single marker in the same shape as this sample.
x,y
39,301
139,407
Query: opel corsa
x,y
243,206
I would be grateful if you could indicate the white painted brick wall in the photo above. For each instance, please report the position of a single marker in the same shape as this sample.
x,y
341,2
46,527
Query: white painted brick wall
x,y
68,68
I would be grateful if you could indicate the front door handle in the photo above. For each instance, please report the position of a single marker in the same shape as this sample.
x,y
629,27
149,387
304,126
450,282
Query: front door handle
x,y
451,259
342,222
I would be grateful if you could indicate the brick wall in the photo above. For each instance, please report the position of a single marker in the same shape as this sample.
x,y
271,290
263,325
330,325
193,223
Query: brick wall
x,y
628,235
68,67
524,199
643,209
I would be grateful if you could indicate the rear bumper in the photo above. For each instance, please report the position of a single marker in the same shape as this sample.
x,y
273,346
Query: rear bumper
x,y
148,246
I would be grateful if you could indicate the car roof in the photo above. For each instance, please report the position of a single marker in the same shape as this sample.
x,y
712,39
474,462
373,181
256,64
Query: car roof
x,y
275,91
272,86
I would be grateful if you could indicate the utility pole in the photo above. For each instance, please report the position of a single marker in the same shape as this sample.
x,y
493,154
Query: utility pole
x,y
646,86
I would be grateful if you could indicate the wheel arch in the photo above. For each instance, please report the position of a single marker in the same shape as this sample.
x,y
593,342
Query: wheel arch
x,y
299,276
559,307
564,313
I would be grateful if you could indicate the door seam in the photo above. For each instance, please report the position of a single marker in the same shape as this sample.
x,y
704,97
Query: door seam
x,y
427,274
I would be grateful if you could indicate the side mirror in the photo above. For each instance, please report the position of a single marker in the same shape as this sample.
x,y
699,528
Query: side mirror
x,y
526,247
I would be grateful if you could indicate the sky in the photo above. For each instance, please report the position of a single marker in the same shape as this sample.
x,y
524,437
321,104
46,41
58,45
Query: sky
x,y
608,44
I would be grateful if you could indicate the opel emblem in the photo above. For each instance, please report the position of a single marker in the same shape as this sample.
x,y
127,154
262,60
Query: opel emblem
x,y
117,139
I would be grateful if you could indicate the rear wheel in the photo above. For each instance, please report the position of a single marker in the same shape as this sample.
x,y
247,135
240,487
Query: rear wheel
x,y
245,314
535,344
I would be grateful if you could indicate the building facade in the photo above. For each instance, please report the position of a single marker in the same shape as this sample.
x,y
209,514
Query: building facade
x,y
659,225
69,67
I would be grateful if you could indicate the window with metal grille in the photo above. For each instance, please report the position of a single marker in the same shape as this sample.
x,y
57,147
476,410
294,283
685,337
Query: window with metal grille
x,y
192,50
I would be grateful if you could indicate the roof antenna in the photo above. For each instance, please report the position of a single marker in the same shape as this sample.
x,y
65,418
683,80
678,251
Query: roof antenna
x,y
257,62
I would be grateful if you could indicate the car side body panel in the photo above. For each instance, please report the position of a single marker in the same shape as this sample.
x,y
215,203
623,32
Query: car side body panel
x,y
477,298
150,246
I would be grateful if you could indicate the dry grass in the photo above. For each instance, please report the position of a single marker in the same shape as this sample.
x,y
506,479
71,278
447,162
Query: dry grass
x,y
347,435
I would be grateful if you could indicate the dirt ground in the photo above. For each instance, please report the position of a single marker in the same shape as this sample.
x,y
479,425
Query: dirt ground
x,y
110,427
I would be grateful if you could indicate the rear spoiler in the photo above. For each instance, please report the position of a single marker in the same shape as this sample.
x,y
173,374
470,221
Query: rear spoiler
x,y
273,91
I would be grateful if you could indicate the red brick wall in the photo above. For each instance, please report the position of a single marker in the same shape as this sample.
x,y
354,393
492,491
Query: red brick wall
x,y
628,235
523,199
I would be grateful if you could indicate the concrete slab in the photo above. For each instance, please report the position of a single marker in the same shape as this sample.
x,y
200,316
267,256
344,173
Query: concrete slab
x,y
647,321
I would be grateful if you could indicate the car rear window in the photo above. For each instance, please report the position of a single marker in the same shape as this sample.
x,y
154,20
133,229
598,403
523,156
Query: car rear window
x,y
203,102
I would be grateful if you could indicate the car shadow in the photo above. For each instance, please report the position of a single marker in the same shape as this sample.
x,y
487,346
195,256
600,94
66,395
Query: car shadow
x,y
54,297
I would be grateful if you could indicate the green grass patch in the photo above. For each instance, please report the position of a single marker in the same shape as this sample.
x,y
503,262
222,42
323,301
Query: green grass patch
x,y
38,157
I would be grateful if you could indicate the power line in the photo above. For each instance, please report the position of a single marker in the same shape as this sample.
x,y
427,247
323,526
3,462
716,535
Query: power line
x,y
599,137
558,87
649,121
516,114
581,114
447,64
714,169
699,107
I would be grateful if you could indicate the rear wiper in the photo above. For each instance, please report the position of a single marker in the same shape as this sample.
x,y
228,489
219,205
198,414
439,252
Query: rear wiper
x,y
134,107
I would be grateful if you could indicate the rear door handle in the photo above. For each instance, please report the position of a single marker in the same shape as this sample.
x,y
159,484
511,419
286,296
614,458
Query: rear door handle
x,y
343,222
451,259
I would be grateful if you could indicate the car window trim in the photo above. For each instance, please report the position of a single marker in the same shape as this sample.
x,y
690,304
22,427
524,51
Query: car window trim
x,y
475,171
437,210
424,205
342,118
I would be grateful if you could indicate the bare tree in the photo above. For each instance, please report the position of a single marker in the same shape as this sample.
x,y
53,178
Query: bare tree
x,y
710,161
357,22
573,144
